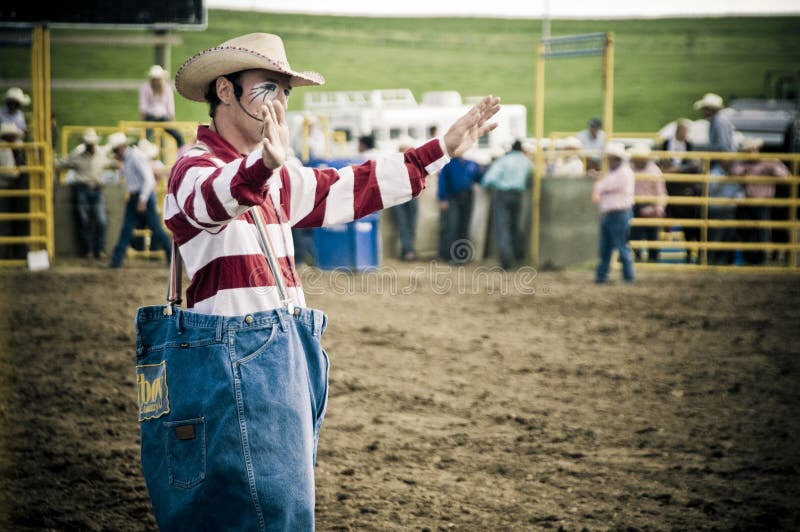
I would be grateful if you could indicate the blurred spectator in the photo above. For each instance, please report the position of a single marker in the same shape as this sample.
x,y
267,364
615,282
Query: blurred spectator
x,y
508,178
456,180
720,129
366,147
570,164
160,170
613,193
593,140
641,163
157,102
722,189
140,182
89,161
13,102
679,141
756,167
10,178
405,215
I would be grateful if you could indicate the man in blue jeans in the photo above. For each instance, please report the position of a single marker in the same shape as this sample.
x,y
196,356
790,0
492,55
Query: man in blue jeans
x,y
140,182
456,180
613,192
508,178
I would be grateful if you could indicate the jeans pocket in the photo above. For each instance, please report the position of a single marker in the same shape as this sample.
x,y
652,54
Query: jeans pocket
x,y
185,443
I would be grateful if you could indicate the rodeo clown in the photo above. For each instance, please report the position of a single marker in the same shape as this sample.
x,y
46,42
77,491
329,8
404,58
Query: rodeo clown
x,y
233,388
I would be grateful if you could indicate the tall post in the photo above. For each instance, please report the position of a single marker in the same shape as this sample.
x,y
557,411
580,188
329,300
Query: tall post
x,y
539,166
608,74
162,50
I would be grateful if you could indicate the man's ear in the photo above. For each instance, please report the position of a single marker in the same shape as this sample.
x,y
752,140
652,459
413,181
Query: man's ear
x,y
224,90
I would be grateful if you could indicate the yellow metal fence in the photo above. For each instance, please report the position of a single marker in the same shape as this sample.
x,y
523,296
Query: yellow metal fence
x,y
698,250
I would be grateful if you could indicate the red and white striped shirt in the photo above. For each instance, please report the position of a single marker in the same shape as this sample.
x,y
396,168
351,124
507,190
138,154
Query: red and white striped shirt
x,y
212,186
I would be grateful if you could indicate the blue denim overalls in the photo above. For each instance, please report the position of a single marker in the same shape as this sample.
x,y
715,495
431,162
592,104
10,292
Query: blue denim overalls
x,y
230,411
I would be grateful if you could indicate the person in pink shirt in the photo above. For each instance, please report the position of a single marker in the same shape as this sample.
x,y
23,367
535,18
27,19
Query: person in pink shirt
x,y
650,183
756,167
613,193
157,103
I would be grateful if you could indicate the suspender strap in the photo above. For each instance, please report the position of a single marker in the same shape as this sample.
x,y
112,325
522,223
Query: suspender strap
x,y
269,254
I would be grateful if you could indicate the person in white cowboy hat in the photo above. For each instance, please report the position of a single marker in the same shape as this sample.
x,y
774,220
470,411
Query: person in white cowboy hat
x,y
259,468
157,103
649,182
9,180
613,192
11,111
140,183
89,161
720,128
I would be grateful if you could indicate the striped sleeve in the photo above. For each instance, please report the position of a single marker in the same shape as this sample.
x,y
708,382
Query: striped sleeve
x,y
322,197
211,193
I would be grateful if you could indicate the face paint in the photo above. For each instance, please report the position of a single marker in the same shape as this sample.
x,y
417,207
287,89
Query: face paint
x,y
266,91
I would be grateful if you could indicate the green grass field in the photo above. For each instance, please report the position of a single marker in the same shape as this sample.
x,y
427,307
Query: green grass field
x,y
662,66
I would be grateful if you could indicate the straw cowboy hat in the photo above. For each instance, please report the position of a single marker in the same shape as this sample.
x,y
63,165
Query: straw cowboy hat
x,y
639,151
10,129
16,94
251,51
148,148
90,136
156,72
615,149
710,100
115,140
750,144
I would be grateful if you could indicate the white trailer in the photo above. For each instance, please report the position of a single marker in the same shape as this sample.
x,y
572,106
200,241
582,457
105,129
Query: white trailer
x,y
332,122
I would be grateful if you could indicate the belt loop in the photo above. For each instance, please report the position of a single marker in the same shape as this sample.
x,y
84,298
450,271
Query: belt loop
x,y
281,318
220,323
318,319
179,320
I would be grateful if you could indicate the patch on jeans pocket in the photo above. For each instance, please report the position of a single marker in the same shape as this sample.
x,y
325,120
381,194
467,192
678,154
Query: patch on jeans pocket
x,y
151,384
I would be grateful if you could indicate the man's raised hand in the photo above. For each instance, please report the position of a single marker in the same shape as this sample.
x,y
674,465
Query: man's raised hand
x,y
467,129
276,135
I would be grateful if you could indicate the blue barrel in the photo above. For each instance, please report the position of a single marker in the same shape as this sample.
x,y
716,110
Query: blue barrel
x,y
352,246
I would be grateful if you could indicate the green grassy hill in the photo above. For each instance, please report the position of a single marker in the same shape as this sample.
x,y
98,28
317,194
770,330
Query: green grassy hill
x,y
662,66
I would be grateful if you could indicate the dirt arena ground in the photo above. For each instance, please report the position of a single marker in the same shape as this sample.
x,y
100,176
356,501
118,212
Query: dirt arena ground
x,y
459,399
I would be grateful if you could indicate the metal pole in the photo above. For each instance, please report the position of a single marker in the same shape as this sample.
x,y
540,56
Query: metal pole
x,y
162,49
539,166
49,175
608,101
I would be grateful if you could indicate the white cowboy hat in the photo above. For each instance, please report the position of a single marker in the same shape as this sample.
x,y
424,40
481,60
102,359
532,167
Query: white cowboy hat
x,y
157,72
750,143
251,51
639,151
16,94
405,142
149,149
714,101
90,136
8,129
115,140
572,143
615,149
